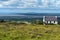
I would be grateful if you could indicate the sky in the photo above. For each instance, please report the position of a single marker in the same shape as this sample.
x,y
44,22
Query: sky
x,y
24,6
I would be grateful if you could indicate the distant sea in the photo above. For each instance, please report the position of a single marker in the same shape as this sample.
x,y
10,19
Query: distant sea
x,y
27,16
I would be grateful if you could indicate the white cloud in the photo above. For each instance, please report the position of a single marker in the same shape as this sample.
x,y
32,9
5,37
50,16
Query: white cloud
x,y
13,3
1,5
27,3
57,4
8,3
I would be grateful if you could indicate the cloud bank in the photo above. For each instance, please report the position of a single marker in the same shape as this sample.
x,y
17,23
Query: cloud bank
x,y
29,3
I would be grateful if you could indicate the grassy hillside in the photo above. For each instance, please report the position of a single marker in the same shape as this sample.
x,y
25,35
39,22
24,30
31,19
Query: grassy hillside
x,y
29,32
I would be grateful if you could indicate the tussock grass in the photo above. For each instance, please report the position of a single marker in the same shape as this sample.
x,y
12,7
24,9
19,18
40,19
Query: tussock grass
x,y
29,32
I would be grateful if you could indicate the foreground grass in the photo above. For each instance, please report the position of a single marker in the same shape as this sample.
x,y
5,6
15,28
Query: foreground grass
x,y
29,32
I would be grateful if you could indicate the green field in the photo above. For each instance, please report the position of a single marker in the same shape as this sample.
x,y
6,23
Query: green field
x,y
29,32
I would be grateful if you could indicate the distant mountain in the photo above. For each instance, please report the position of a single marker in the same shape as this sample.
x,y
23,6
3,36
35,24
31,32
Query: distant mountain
x,y
28,16
39,14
